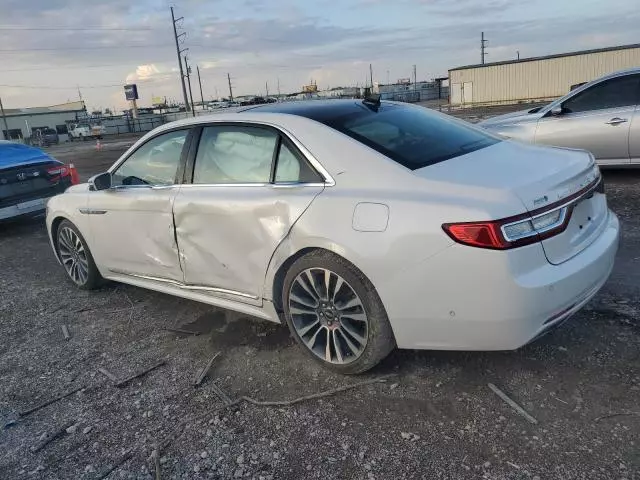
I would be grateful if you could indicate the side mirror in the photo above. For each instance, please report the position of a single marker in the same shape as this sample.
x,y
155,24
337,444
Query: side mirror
x,y
557,111
102,181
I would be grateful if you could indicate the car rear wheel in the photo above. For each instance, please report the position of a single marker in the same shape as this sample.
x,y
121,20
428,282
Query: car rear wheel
x,y
335,313
76,257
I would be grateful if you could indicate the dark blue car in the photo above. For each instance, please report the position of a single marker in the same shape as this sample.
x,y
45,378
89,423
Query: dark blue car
x,y
28,177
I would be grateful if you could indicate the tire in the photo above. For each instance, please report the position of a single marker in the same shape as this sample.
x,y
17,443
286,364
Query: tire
x,y
354,321
76,257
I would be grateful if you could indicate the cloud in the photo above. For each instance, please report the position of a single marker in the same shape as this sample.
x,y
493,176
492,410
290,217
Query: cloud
x,y
290,41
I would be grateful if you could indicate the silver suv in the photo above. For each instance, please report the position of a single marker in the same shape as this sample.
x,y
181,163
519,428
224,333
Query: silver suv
x,y
602,116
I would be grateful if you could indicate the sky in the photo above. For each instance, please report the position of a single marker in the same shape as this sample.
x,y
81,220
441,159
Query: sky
x,y
51,48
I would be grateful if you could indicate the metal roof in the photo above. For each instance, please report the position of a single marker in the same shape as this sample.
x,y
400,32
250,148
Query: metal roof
x,y
68,107
546,57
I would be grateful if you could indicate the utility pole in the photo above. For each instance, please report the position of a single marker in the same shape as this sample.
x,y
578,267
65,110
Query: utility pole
x,y
371,76
188,75
518,54
4,118
278,88
387,77
200,83
230,91
415,79
266,88
483,48
175,20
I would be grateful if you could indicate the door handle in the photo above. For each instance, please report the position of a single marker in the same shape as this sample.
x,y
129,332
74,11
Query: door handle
x,y
616,121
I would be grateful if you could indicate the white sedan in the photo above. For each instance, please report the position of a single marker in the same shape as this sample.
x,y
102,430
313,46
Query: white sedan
x,y
363,225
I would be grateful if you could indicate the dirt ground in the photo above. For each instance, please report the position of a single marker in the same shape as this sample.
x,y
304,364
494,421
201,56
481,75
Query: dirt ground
x,y
432,415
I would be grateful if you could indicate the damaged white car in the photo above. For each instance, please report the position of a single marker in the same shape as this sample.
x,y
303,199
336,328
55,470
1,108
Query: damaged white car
x,y
365,225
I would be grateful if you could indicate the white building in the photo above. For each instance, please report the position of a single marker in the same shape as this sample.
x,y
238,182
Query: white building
x,y
21,122
536,78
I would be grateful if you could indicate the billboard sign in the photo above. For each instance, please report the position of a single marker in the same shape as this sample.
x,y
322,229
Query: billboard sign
x,y
404,81
131,92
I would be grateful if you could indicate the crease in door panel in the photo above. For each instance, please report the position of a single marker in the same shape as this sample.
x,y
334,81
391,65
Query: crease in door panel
x,y
175,233
284,238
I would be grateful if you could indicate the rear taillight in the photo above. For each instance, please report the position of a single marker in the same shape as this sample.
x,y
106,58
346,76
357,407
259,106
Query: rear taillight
x,y
510,232
524,229
59,172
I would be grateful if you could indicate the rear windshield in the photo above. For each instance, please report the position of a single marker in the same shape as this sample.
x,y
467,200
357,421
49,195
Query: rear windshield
x,y
412,136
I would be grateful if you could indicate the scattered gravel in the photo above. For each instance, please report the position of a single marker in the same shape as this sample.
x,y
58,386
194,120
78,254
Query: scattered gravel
x,y
435,419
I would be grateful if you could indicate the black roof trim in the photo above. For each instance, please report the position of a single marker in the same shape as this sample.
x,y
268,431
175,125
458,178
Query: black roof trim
x,y
545,57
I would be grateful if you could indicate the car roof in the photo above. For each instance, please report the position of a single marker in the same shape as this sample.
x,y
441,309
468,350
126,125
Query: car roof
x,y
319,110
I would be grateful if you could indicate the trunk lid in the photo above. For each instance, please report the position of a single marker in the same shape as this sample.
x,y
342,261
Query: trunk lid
x,y
24,176
542,178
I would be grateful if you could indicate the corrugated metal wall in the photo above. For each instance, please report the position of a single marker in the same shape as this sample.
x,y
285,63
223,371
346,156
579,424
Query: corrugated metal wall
x,y
538,79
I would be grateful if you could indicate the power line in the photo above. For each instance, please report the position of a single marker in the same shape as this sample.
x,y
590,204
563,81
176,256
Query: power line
x,y
46,87
69,67
95,47
75,29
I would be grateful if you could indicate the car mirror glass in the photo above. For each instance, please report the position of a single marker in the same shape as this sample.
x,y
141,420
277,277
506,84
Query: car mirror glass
x,y
101,181
557,110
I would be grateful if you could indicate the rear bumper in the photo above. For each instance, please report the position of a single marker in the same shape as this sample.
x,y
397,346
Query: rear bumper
x,y
31,207
473,299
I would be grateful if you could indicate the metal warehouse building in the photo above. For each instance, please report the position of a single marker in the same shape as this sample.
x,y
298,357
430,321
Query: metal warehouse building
x,y
22,122
536,78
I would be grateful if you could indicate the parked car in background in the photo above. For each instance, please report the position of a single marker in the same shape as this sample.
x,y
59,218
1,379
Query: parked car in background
x,y
363,225
46,136
84,131
28,177
602,116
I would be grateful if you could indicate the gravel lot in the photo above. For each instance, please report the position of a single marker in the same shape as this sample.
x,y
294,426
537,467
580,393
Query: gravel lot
x,y
432,416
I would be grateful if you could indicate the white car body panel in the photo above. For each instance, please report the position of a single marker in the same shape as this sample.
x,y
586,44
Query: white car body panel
x,y
438,294
612,135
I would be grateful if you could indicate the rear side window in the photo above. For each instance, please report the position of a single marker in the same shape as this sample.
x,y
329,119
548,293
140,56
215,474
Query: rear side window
x,y
614,93
228,154
292,168
412,136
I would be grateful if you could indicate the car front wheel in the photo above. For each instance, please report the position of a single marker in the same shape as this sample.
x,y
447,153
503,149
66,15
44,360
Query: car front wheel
x,y
76,257
335,313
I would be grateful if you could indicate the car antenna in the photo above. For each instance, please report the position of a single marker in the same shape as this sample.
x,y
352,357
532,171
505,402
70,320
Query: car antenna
x,y
372,100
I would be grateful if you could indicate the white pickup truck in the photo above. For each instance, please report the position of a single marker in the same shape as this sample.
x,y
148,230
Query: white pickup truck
x,y
83,131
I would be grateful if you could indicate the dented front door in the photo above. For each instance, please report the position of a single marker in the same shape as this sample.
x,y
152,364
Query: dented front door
x,y
133,232
227,234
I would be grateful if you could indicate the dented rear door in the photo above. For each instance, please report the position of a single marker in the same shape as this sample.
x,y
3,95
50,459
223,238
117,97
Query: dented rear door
x,y
238,208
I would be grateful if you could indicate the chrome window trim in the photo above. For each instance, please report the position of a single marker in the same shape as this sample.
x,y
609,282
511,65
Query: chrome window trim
x,y
315,163
272,185
186,286
554,225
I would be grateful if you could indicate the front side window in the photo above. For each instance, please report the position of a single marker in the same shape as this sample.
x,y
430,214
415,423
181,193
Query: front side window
x,y
154,163
614,93
229,154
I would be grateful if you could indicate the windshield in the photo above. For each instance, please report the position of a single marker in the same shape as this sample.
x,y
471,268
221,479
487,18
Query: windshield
x,y
413,137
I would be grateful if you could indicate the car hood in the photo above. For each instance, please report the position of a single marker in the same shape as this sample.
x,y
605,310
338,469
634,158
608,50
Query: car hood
x,y
511,118
538,176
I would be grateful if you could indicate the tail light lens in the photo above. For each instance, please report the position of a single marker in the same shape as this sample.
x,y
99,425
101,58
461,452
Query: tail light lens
x,y
58,172
522,229
510,232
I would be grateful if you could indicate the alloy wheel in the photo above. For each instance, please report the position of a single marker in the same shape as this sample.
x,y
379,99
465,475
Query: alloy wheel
x,y
328,316
73,255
